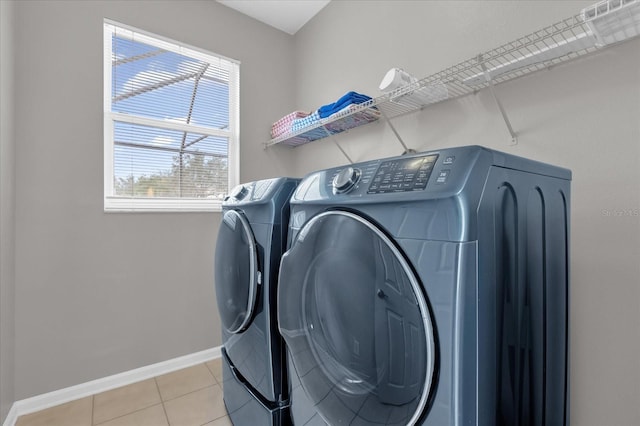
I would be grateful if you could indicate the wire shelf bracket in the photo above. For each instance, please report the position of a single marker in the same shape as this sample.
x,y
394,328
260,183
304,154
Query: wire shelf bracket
x,y
505,117
407,150
330,136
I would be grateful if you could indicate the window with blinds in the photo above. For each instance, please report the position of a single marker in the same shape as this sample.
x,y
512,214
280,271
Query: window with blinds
x,y
171,124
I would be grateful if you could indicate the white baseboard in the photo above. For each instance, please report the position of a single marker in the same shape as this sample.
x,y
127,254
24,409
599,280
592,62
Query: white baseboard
x,y
12,416
51,399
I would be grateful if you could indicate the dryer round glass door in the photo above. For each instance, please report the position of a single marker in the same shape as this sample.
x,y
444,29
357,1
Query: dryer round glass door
x,y
356,323
236,272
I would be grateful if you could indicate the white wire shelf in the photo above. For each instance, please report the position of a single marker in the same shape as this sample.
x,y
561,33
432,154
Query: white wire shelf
x,y
598,26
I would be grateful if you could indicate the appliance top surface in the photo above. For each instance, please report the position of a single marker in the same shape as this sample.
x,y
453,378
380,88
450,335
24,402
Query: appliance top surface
x,y
432,174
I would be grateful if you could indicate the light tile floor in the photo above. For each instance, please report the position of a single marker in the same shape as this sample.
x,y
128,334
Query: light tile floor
x,y
189,397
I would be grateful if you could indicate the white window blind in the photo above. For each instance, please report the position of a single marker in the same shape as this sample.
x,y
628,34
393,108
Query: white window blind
x,y
171,124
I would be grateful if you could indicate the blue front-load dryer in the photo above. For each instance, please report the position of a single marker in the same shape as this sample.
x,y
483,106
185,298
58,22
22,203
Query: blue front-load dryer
x,y
429,289
251,240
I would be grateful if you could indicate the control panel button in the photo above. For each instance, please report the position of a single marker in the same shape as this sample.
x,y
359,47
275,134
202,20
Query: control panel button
x,y
442,176
448,160
345,180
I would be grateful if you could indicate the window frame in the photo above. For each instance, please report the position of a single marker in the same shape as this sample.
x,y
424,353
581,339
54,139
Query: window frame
x,y
114,203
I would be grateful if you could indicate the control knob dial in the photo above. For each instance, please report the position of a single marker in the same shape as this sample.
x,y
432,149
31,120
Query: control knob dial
x,y
345,180
239,192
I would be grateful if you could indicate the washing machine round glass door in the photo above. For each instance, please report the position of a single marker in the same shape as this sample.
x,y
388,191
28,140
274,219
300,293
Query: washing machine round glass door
x,y
356,322
236,272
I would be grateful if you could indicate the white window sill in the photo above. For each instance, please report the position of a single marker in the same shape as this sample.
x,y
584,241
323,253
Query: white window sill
x,y
137,205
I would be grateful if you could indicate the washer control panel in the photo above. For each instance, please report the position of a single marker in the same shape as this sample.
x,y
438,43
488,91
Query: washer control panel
x,y
250,192
402,175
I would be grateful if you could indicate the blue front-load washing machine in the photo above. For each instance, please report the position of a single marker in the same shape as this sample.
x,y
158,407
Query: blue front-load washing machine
x,y
251,240
429,289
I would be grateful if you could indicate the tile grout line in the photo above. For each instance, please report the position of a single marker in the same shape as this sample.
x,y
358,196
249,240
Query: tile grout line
x,y
190,392
215,383
124,415
217,418
93,407
164,409
211,421
131,412
221,389
226,413
206,364
212,373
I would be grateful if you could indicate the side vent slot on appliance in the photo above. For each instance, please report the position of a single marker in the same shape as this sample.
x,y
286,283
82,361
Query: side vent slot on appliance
x,y
531,300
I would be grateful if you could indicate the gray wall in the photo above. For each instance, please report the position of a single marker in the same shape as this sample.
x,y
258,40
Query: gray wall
x,y
582,115
98,294
7,207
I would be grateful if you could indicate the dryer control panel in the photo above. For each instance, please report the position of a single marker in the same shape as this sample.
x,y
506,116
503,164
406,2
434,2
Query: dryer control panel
x,y
434,174
401,175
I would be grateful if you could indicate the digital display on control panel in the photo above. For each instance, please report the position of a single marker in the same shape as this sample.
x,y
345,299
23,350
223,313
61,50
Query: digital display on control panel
x,y
402,175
